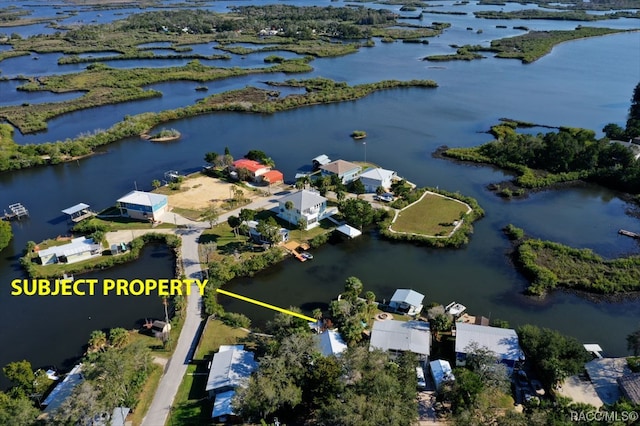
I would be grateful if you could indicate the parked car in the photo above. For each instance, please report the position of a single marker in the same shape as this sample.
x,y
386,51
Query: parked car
x,y
422,383
387,198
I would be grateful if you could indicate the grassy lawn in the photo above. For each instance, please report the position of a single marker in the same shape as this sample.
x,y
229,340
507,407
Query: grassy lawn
x,y
118,223
193,214
215,334
191,405
433,215
146,396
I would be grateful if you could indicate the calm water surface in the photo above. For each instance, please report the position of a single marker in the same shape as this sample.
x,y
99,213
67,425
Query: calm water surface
x,y
585,83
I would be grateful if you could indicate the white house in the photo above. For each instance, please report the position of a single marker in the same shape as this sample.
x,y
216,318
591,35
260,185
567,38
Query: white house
x,y
78,249
307,205
501,341
396,337
346,171
330,343
230,368
143,205
372,179
406,301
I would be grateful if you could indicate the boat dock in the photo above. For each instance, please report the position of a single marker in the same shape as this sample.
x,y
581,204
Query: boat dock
x,y
293,246
17,211
629,234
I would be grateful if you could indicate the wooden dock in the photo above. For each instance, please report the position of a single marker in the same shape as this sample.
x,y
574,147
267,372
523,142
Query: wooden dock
x,y
293,246
629,234
17,211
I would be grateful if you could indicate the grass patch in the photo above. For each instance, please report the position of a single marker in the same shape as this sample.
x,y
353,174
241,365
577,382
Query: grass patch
x,y
146,396
433,215
192,214
215,334
191,405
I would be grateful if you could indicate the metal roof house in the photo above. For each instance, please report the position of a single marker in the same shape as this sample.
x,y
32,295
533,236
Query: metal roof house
x,y
78,249
346,171
441,372
307,205
396,337
230,368
143,205
330,343
255,168
372,179
63,389
406,301
502,341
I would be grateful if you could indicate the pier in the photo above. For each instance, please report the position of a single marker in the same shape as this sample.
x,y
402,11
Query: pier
x,y
17,211
629,234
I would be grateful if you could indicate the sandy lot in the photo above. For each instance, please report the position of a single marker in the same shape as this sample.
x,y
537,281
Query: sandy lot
x,y
198,192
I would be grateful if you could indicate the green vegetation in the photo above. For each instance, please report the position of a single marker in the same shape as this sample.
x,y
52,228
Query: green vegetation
x,y
462,53
358,134
297,384
165,134
35,270
554,356
416,221
433,215
350,312
249,99
104,85
563,156
549,265
535,44
574,15
5,234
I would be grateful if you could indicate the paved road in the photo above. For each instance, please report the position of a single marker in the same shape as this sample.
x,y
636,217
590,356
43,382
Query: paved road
x,y
187,342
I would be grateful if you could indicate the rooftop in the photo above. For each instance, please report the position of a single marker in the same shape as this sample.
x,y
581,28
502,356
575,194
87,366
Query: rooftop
x,y
441,371
330,343
231,366
339,167
142,198
222,406
76,246
75,209
304,199
630,386
411,297
502,341
63,389
377,174
412,336
251,165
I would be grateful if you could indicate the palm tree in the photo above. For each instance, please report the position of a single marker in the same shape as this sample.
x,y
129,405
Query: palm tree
x,y
97,340
119,337
289,206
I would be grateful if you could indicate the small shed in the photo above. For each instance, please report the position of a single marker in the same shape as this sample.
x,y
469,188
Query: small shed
x,y
330,343
160,327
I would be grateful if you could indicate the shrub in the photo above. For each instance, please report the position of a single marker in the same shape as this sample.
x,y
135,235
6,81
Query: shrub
x,y
236,320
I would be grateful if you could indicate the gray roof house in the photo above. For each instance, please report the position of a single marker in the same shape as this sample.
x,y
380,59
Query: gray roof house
x,y
372,179
330,343
396,337
502,341
406,301
307,205
346,171
230,368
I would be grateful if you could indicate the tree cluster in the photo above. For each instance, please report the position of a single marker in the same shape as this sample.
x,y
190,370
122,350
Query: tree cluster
x,y
298,385
351,313
5,234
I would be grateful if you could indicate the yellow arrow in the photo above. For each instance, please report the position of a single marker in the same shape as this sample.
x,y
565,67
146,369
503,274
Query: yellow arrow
x,y
266,305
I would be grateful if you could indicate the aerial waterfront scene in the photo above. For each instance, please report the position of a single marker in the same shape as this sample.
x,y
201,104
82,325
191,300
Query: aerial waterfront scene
x,y
241,211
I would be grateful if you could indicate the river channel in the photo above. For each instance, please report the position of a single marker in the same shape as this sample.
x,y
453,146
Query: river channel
x,y
586,83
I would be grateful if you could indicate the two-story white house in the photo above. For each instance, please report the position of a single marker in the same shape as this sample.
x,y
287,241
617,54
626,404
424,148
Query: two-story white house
x,y
305,204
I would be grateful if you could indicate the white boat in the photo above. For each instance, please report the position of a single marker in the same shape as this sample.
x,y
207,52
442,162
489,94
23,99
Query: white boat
x,y
455,309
